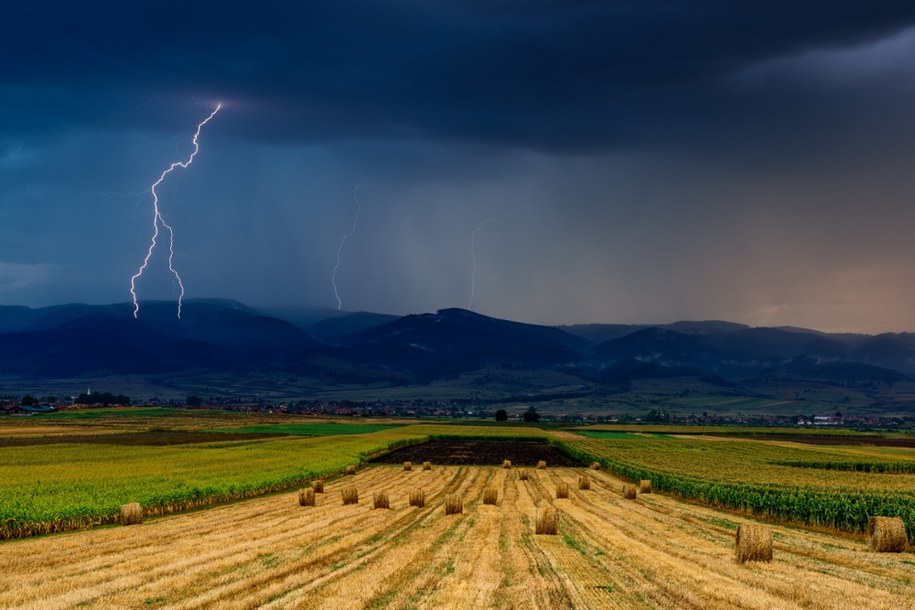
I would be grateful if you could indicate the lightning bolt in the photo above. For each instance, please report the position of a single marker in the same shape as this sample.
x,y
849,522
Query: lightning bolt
x,y
473,252
333,277
159,220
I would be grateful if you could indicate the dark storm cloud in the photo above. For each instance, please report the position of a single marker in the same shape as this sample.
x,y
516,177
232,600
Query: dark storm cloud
x,y
660,160
564,75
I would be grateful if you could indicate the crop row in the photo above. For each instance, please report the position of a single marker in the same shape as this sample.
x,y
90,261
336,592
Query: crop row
x,y
46,489
896,467
837,508
60,487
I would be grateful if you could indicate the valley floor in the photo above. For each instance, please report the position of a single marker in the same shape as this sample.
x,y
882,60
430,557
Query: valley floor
x,y
653,552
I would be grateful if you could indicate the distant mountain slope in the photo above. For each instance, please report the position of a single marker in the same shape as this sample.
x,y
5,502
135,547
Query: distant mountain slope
x,y
14,317
455,340
748,352
224,336
70,340
303,316
605,332
333,330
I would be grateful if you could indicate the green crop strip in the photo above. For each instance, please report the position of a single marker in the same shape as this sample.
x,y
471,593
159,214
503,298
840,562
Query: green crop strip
x,y
743,475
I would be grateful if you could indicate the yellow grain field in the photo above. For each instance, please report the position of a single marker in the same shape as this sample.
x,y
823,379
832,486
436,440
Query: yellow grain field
x,y
654,552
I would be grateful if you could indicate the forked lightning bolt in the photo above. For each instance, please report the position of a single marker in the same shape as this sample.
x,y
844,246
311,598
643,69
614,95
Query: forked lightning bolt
x,y
158,219
352,232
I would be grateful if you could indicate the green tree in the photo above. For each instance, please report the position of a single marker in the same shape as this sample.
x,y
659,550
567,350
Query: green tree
x,y
501,415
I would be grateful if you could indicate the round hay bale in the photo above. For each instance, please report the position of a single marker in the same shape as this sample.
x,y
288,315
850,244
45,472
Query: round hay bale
x,y
427,465
408,466
418,498
351,469
307,496
454,504
753,543
594,466
644,486
584,482
491,496
380,500
131,514
350,495
522,475
318,486
547,522
541,465
629,491
562,489
506,463
886,534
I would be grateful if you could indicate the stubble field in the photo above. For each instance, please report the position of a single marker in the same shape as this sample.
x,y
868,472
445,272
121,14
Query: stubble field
x,y
653,552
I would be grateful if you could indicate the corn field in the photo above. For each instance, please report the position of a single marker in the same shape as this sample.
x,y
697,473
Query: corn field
x,y
744,475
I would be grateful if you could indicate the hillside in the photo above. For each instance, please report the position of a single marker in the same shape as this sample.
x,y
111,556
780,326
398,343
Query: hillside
x,y
224,343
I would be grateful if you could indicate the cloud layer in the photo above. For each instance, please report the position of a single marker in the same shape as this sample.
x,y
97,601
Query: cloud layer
x,y
681,160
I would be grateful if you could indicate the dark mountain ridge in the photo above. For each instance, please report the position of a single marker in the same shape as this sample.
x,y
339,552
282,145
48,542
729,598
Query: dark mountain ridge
x,y
67,341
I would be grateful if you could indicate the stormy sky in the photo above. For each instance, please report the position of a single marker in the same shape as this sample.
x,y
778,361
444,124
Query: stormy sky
x,y
624,161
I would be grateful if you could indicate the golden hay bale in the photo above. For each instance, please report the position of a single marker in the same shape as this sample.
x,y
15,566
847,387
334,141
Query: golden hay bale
x,y
541,465
318,486
351,469
522,474
408,465
454,504
754,543
562,490
594,466
886,534
491,496
547,521
380,500
629,491
506,463
350,495
427,465
131,514
584,482
307,496
644,486
418,498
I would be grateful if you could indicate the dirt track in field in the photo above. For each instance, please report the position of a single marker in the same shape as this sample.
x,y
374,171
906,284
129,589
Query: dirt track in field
x,y
654,552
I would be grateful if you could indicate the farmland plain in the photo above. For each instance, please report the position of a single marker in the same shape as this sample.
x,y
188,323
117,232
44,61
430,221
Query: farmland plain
x,y
663,550
654,552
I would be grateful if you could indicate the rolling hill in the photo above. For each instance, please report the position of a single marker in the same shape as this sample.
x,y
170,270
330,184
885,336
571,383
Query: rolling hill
x,y
222,336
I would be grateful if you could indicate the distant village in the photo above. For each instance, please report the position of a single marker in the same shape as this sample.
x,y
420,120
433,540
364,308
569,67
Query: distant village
x,y
451,409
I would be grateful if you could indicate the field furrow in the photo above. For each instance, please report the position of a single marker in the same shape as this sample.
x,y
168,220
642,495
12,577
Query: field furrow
x,y
653,552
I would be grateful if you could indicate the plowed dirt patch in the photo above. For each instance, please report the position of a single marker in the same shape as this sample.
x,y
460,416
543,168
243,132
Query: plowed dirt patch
x,y
479,453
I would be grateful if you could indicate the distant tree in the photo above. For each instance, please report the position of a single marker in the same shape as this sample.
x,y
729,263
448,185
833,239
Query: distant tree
x,y
29,401
193,401
531,416
656,415
102,398
501,415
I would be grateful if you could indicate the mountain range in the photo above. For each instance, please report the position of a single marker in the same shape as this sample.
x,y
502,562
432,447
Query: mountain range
x,y
76,341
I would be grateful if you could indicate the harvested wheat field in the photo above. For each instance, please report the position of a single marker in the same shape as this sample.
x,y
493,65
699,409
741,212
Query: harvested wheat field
x,y
654,552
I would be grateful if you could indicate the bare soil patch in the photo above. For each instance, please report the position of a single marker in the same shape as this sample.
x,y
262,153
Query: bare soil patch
x,y
817,439
479,453
158,438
